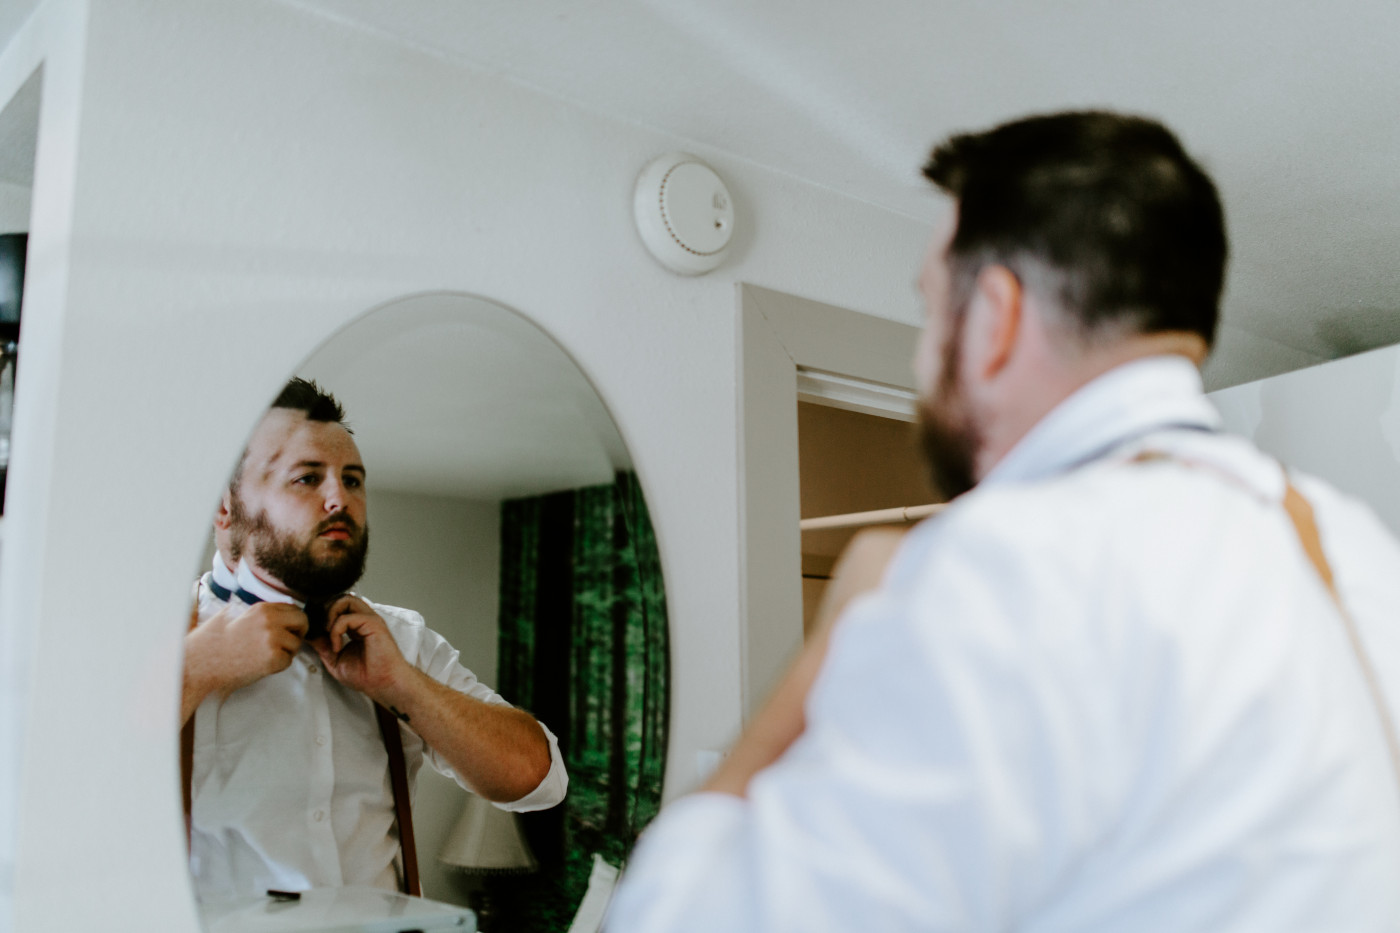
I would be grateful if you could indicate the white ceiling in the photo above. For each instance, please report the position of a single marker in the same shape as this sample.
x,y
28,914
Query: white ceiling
x,y
1293,106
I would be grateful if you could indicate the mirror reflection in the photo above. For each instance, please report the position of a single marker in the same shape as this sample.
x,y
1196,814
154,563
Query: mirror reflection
x,y
507,629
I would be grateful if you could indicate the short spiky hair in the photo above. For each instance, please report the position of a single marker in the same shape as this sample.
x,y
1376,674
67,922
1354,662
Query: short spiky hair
x,y
1129,228
305,396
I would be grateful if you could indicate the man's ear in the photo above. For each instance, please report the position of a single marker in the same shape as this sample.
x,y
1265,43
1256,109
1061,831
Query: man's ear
x,y
995,321
223,515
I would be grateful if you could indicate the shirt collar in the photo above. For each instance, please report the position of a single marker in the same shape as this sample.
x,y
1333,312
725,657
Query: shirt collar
x,y
250,582
222,575
1126,402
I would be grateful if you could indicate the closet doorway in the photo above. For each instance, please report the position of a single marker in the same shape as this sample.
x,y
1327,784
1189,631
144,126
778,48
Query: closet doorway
x,y
851,463
792,349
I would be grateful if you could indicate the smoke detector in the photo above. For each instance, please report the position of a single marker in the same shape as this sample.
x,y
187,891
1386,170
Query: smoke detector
x,y
684,213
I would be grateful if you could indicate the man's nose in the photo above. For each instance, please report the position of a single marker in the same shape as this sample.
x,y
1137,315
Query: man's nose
x,y
335,496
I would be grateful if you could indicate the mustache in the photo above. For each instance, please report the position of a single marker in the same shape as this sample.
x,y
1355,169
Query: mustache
x,y
339,518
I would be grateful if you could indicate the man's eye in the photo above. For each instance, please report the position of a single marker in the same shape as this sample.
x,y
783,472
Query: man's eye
x,y
310,479
353,482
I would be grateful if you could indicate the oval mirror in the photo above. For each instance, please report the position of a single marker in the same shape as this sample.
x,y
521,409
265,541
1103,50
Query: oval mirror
x,y
512,558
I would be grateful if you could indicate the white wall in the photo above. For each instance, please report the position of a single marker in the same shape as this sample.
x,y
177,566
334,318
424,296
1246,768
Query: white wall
x,y
52,40
14,208
233,183
440,557
1339,421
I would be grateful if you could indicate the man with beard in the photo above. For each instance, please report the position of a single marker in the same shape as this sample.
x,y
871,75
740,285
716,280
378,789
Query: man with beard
x,y
289,779
1136,676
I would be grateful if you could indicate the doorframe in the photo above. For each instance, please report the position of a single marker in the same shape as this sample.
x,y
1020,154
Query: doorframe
x,y
777,334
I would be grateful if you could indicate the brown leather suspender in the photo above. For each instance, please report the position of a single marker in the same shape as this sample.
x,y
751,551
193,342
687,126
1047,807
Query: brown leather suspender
x,y
1300,513
398,781
187,747
398,777
187,777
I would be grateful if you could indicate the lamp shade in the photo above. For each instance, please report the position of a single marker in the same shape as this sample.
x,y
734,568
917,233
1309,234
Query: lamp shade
x,y
486,840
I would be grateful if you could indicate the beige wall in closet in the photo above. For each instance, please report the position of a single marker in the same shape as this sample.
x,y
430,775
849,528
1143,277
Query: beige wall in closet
x,y
850,462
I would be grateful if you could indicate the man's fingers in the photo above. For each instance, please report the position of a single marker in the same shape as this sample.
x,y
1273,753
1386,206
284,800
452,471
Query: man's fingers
x,y
346,605
287,642
338,608
348,627
288,617
285,627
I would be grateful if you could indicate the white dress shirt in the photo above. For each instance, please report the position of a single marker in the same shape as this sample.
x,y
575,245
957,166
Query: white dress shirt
x,y
1091,695
221,575
291,780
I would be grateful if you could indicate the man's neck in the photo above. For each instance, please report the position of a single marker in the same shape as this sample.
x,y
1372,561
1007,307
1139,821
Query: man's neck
x,y
268,580
275,583
1053,387
1139,346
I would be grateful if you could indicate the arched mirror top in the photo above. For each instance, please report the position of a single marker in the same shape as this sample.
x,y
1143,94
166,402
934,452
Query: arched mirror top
x,y
426,378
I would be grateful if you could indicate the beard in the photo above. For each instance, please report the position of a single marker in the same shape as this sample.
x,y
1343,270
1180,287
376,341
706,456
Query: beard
x,y
290,559
948,435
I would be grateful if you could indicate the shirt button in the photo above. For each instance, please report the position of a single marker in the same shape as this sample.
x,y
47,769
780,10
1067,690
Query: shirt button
x,y
320,740
319,815
313,669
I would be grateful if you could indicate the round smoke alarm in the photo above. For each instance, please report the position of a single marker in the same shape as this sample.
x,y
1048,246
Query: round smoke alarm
x,y
684,213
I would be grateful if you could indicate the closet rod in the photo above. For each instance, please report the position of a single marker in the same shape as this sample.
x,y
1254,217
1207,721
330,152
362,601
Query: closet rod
x,y
908,513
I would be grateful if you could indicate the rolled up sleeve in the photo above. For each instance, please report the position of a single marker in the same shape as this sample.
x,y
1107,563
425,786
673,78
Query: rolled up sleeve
x,y
435,656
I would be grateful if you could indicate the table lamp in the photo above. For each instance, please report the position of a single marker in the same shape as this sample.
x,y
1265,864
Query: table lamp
x,y
486,840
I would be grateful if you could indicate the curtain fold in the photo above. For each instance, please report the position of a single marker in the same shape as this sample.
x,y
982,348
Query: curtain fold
x,y
584,645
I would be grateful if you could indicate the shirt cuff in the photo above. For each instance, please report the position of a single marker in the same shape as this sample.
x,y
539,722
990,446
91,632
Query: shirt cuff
x,y
551,790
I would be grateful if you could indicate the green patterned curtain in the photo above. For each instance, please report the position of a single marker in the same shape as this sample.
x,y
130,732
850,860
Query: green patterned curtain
x,y
584,646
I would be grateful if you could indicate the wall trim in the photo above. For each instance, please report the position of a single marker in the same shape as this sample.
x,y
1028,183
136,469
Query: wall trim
x,y
778,333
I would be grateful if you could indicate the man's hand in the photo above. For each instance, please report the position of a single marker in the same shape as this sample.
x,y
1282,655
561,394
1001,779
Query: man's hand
x,y
501,752
359,651
237,647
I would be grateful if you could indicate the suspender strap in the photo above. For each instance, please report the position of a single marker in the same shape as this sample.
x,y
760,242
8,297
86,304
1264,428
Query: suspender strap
x,y
398,777
1300,511
187,750
187,777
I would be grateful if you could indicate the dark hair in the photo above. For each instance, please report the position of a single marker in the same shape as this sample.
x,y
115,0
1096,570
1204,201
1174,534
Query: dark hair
x,y
305,396
1130,228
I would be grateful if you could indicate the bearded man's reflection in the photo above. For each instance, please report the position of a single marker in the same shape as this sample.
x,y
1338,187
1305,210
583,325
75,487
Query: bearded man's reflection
x,y
289,782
